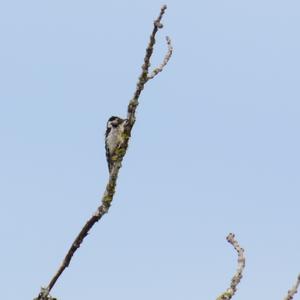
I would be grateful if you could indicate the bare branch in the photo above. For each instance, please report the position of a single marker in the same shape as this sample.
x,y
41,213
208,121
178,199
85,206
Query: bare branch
x,y
145,70
239,272
293,290
165,61
113,176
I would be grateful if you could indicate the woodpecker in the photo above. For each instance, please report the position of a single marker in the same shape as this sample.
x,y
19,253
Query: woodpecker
x,y
113,137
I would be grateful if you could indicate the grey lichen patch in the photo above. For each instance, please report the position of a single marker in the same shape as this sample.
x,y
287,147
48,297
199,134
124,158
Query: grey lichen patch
x,y
228,294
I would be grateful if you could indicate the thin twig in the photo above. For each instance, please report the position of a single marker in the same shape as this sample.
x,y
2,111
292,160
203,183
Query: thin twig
x,y
239,272
165,61
293,290
119,155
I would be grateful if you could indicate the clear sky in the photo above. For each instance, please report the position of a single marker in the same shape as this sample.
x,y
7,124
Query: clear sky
x,y
215,148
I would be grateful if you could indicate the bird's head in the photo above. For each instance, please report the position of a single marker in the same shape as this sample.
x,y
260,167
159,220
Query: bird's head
x,y
114,122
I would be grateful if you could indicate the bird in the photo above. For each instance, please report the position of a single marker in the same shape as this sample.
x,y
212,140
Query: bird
x,y
113,138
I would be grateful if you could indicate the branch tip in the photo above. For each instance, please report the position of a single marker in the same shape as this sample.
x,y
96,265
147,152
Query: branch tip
x,y
165,60
227,295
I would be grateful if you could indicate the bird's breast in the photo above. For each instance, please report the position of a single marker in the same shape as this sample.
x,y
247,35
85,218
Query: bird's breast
x,y
114,139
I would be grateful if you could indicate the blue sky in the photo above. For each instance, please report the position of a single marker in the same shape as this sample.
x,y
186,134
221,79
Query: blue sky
x,y
215,148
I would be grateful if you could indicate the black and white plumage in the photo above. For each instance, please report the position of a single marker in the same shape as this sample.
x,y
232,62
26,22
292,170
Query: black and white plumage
x,y
113,137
